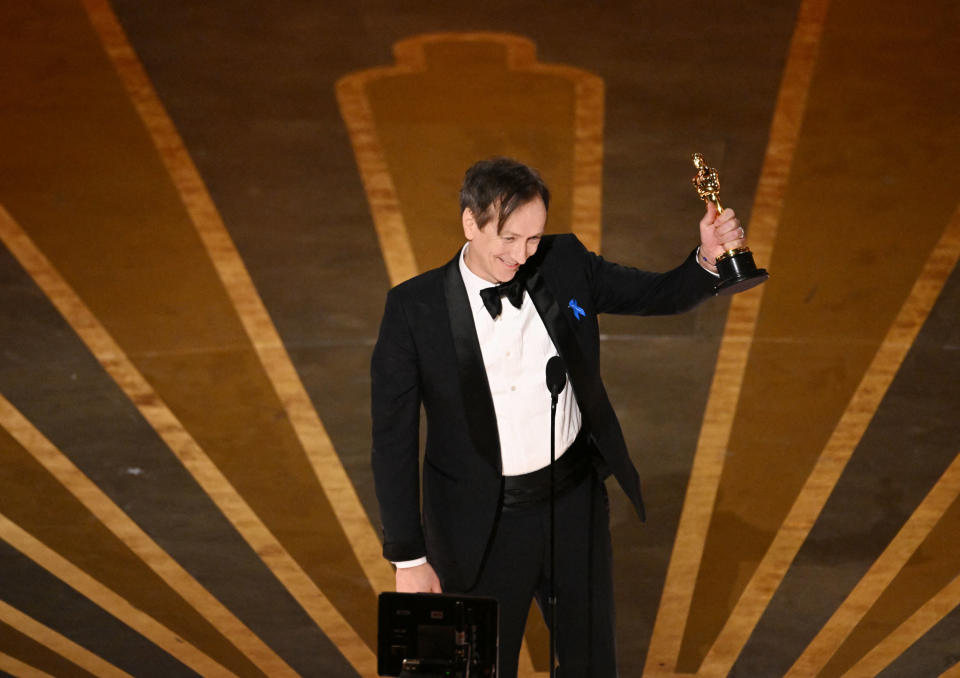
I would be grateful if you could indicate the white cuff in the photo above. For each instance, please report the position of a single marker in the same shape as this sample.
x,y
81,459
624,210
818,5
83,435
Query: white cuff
x,y
702,261
411,563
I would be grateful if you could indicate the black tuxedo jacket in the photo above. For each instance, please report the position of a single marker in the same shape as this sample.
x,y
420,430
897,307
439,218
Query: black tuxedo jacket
x,y
428,353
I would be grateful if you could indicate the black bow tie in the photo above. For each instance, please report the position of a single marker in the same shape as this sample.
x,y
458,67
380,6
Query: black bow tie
x,y
512,290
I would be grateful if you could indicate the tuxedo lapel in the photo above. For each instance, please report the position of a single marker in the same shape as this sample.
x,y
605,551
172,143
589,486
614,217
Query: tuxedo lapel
x,y
563,338
477,401
594,404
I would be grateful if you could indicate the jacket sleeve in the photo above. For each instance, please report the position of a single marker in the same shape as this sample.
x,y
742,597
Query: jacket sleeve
x,y
395,409
628,290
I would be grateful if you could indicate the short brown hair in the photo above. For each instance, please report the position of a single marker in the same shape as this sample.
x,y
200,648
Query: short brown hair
x,y
499,186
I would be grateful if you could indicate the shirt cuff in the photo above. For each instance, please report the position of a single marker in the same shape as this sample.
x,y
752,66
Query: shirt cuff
x,y
411,563
700,260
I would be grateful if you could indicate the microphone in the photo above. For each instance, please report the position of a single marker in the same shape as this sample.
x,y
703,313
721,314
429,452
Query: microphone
x,y
556,375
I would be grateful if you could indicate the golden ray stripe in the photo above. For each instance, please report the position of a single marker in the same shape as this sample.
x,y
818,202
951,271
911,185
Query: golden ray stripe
x,y
525,667
874,583
525,661
125,529
910,632
17,668
58,643
587,158
382,197
256,321
843,441
107,599
186,449
721,407
859,602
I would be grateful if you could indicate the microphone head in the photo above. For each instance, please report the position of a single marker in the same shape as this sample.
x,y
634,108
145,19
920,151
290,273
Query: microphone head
x,y
556,375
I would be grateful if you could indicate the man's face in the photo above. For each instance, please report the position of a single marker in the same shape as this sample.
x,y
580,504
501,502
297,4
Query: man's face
x,y
495,257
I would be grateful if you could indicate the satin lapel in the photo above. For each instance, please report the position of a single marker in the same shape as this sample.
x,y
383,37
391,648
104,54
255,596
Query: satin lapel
x,y
594,404
477,401
563,338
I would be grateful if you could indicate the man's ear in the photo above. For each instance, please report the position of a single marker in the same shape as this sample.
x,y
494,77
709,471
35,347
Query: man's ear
x,y
470,227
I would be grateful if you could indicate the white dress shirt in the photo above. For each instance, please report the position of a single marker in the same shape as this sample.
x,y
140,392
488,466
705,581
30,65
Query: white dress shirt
x,y
515,348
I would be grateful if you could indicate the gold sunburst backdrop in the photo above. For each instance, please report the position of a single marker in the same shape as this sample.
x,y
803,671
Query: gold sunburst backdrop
x,y
202,206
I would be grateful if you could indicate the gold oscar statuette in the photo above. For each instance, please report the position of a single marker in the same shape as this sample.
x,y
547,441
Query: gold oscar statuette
x,y
736,267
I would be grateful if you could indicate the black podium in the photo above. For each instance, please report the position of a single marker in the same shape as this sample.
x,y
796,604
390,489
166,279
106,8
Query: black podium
x,y
434,635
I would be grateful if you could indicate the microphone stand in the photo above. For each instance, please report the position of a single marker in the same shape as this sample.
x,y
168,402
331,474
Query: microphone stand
x,y
553,527
556,381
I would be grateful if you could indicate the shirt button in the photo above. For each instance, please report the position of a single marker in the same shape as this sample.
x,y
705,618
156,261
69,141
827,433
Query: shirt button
x,y
513,388
508,354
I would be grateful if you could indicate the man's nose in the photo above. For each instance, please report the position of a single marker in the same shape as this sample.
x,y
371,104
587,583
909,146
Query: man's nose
x,y
520,253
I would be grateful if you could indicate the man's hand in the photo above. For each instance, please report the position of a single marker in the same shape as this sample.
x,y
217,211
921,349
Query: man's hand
x,y
719,233
419,579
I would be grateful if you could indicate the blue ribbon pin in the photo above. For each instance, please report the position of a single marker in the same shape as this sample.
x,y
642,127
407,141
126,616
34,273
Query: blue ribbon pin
x,y
577,311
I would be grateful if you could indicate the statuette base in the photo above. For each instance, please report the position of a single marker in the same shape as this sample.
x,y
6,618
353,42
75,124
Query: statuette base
x,y
738,272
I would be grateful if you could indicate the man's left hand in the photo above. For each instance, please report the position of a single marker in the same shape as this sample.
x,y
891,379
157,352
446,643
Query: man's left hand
x,y
719,233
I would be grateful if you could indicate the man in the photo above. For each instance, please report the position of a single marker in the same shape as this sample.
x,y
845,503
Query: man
x,y
476,363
